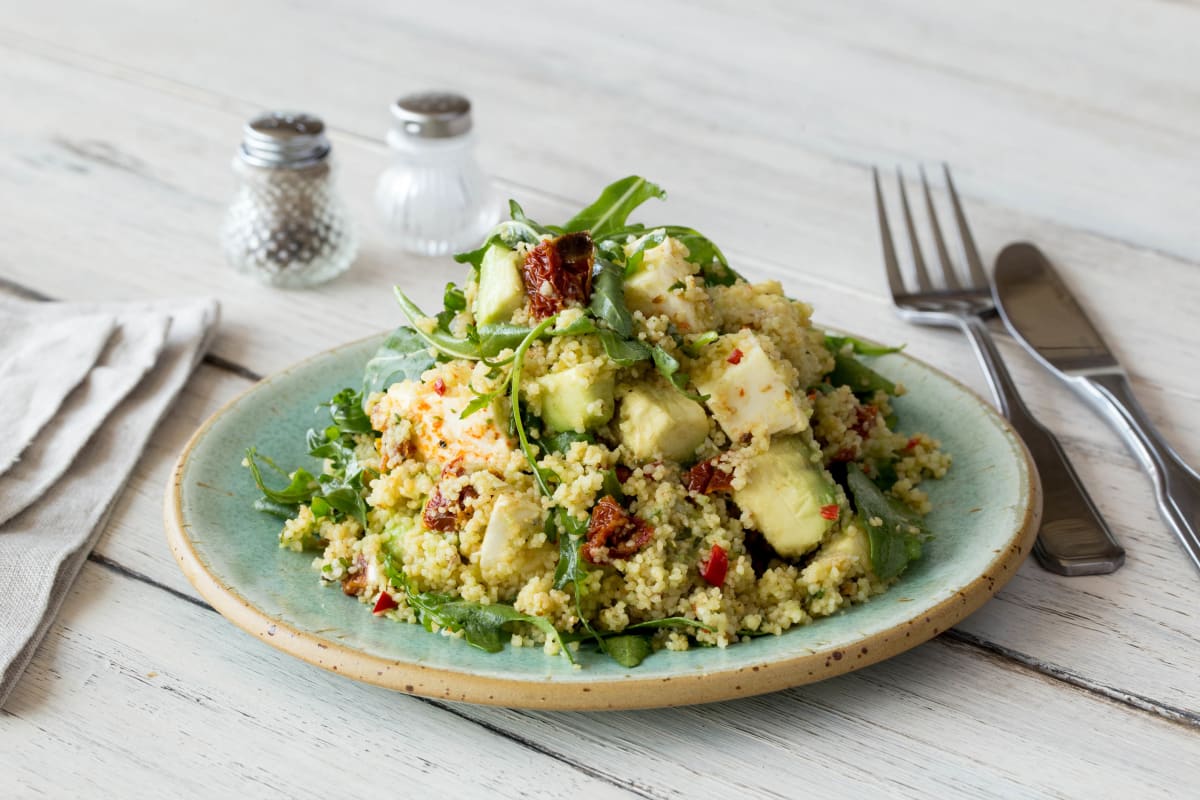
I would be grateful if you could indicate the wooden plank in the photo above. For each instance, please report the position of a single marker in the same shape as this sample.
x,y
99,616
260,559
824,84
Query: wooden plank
x,y
231,714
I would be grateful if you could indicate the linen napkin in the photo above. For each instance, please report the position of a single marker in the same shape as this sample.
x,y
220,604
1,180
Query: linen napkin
x,y
136,376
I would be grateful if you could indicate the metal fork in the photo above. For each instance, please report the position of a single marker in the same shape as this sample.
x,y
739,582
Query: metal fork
x,y
1073,538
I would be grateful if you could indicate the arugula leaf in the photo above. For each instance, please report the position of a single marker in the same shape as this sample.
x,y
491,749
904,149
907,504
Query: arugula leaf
x,y
347,500
862,380
858,346
301,489
561,441
499,336
633,263
612,486
404,356
571,568
668,366
509,233
695,348
623,352
346,409
701,250
608,298
668,622
897,540
518,215
482,626
440,340
628,650
614,205
514,382
281,510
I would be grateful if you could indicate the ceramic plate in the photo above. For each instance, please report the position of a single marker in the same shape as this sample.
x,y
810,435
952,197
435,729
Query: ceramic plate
x,y
985,518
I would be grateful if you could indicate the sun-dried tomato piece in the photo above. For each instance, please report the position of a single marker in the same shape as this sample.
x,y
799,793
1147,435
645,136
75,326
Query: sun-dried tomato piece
x,y
558,272
623,473
614,533
707,477
444,513
353,583
864,420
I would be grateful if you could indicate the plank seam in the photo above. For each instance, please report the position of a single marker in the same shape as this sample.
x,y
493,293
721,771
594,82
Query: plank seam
x,y
1179,716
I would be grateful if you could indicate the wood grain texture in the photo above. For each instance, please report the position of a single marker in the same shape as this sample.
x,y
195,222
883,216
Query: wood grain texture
x,y
1069,124
133,676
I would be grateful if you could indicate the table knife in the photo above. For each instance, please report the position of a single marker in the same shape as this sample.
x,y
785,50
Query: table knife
x,y
1043,315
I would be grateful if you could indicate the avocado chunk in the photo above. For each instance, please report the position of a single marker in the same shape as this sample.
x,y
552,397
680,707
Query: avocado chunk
x,y
501,290
749,390
784,492
576,399
655,421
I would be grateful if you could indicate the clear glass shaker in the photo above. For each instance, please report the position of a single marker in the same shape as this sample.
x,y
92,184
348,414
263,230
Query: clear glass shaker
x,y
286,225
434,199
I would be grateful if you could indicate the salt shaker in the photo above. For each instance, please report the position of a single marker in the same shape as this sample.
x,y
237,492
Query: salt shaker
x,y
286,225
434,199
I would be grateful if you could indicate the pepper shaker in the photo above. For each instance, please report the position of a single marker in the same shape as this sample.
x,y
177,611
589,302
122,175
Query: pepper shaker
x,y
286,225
434,199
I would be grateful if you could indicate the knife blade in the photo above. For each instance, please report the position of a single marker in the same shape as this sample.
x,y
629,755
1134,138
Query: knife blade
x,y
1043,315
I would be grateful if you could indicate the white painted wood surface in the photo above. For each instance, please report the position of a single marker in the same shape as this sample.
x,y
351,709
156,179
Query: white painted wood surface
x,y
1071,124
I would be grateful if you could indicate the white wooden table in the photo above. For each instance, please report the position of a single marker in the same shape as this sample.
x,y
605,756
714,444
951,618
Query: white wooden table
x,y
1073,124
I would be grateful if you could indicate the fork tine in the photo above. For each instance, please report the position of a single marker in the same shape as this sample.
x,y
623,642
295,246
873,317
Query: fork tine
x,y
918,260
948,273
978,276
895,282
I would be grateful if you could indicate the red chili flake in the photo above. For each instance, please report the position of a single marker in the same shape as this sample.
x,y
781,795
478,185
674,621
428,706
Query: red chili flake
x,y
623,473
614,533
912,443
864,420
735,357
830,511
439,386
713,568
384,603
565,264
706,478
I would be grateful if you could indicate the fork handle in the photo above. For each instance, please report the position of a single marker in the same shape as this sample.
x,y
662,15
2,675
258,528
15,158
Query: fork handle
x,y
1074,539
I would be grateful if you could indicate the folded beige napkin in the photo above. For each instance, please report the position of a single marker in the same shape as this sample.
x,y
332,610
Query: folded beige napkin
x,y
56,497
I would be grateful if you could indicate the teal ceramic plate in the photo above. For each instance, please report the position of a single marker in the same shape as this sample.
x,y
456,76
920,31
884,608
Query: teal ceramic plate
x,y
985,518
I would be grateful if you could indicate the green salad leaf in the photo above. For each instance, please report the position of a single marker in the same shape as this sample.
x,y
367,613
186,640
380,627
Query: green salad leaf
x,y
484,626
301,489
628,650
608,298
860,347
614,205
668,366
896,541
862,380
403,356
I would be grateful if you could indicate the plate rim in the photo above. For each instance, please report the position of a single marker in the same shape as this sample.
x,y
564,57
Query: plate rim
x,y
626,693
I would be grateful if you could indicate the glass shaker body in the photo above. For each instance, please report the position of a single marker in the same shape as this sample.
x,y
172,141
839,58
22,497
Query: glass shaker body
x,y
286,225
434,199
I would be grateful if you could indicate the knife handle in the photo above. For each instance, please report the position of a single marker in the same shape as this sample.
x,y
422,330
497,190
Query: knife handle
x,y
1176,485
1073,539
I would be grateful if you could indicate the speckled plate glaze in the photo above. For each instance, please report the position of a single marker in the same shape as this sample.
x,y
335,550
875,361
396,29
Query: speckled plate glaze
x,y
985,519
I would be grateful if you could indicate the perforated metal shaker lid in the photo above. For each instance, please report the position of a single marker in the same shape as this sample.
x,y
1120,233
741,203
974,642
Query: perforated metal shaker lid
x,y
433,115
285,139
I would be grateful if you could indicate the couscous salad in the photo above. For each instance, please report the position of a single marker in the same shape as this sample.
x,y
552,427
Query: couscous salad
x,y
607,438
